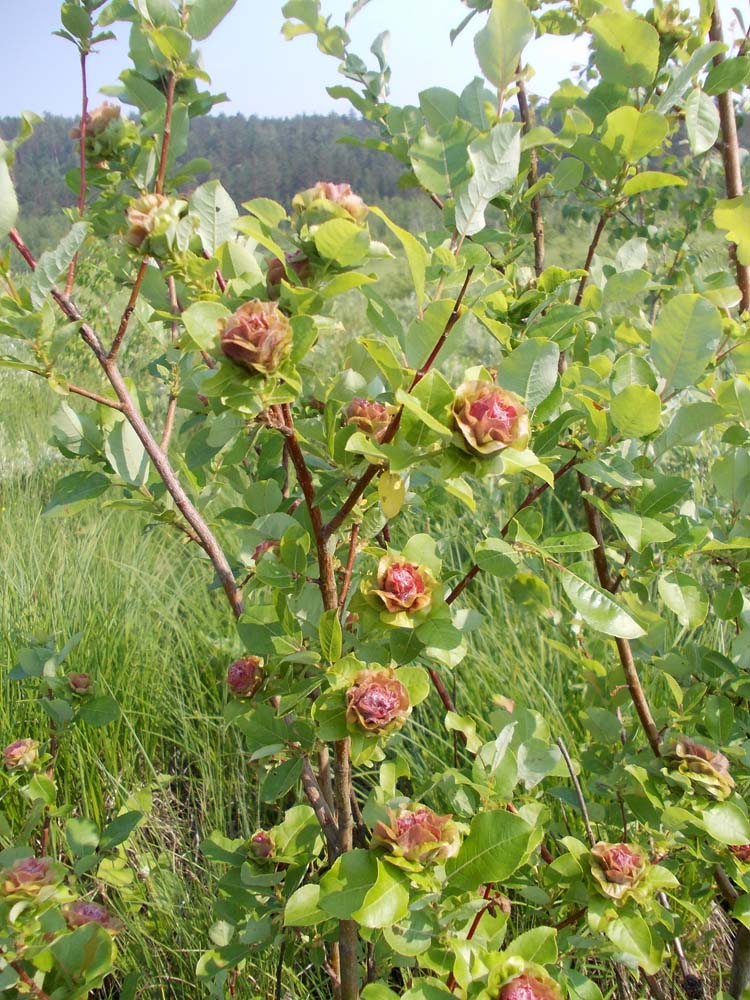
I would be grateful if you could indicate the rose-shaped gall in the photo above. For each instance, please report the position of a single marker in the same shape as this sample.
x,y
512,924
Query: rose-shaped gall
x,y
81,684
150,216
416,833
326,194
98,120
245,676
530,987
403,586
261,846
79,913
20,754
377,702
741,852
371,417
617,868
257,337
707,770
490,418
277,271
27,876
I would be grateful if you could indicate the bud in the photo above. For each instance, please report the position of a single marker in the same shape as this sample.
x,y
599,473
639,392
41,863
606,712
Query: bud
x,y
741,852
27,876
21,754
98,120
490,418
402,586
325,198
706,769
377,702
257,337
81,684
261,846
530,987
152,215
617,868
416,833
277,272
79,913
245,676
371,417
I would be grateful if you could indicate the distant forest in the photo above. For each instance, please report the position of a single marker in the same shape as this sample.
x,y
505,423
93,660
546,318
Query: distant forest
x,y
253,157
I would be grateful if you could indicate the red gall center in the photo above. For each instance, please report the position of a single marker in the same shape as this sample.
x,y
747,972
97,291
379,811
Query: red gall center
x,y
526,987
404,581
407,821
623,860
495,412
379,702
29,870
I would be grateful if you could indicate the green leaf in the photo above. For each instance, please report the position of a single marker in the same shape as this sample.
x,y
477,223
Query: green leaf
x,y
632,134
415,408
573,541
82,836
416,255
530,370
205,15
74,491
118,831
598,609
345,887
99,711
640,531
8,199
500,43
201,321
216,212
387,901
441,162
126,454
632,936
651,180
496,845
626,48
684,340
496,557
729,74
701,121
537,946
53,263
636,411
683,595
342,241
733,215
84,956
495,158
302,908
727,823
329,634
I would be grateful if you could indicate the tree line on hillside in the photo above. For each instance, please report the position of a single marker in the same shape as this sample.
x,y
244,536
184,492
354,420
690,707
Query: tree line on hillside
x,y
253,157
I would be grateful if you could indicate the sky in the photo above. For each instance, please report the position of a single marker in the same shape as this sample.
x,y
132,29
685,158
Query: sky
x,y
261,72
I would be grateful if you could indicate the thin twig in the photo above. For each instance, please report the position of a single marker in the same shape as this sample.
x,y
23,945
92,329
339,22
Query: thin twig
x,y
349,566
317,800
81,166
730,154
174,306
535,205
37,991
451,984
579,791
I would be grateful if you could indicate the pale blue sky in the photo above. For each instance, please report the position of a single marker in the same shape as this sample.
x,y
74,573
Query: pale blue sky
x,y
248,59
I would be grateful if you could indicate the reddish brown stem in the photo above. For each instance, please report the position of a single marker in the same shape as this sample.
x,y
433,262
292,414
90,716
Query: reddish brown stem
x,y
606,581
535,206
172,402
128,311
35,990
451,984
529,499
81,166
590,255
349,566
166,135
730,154
443,692
205,536
321,809
390,432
